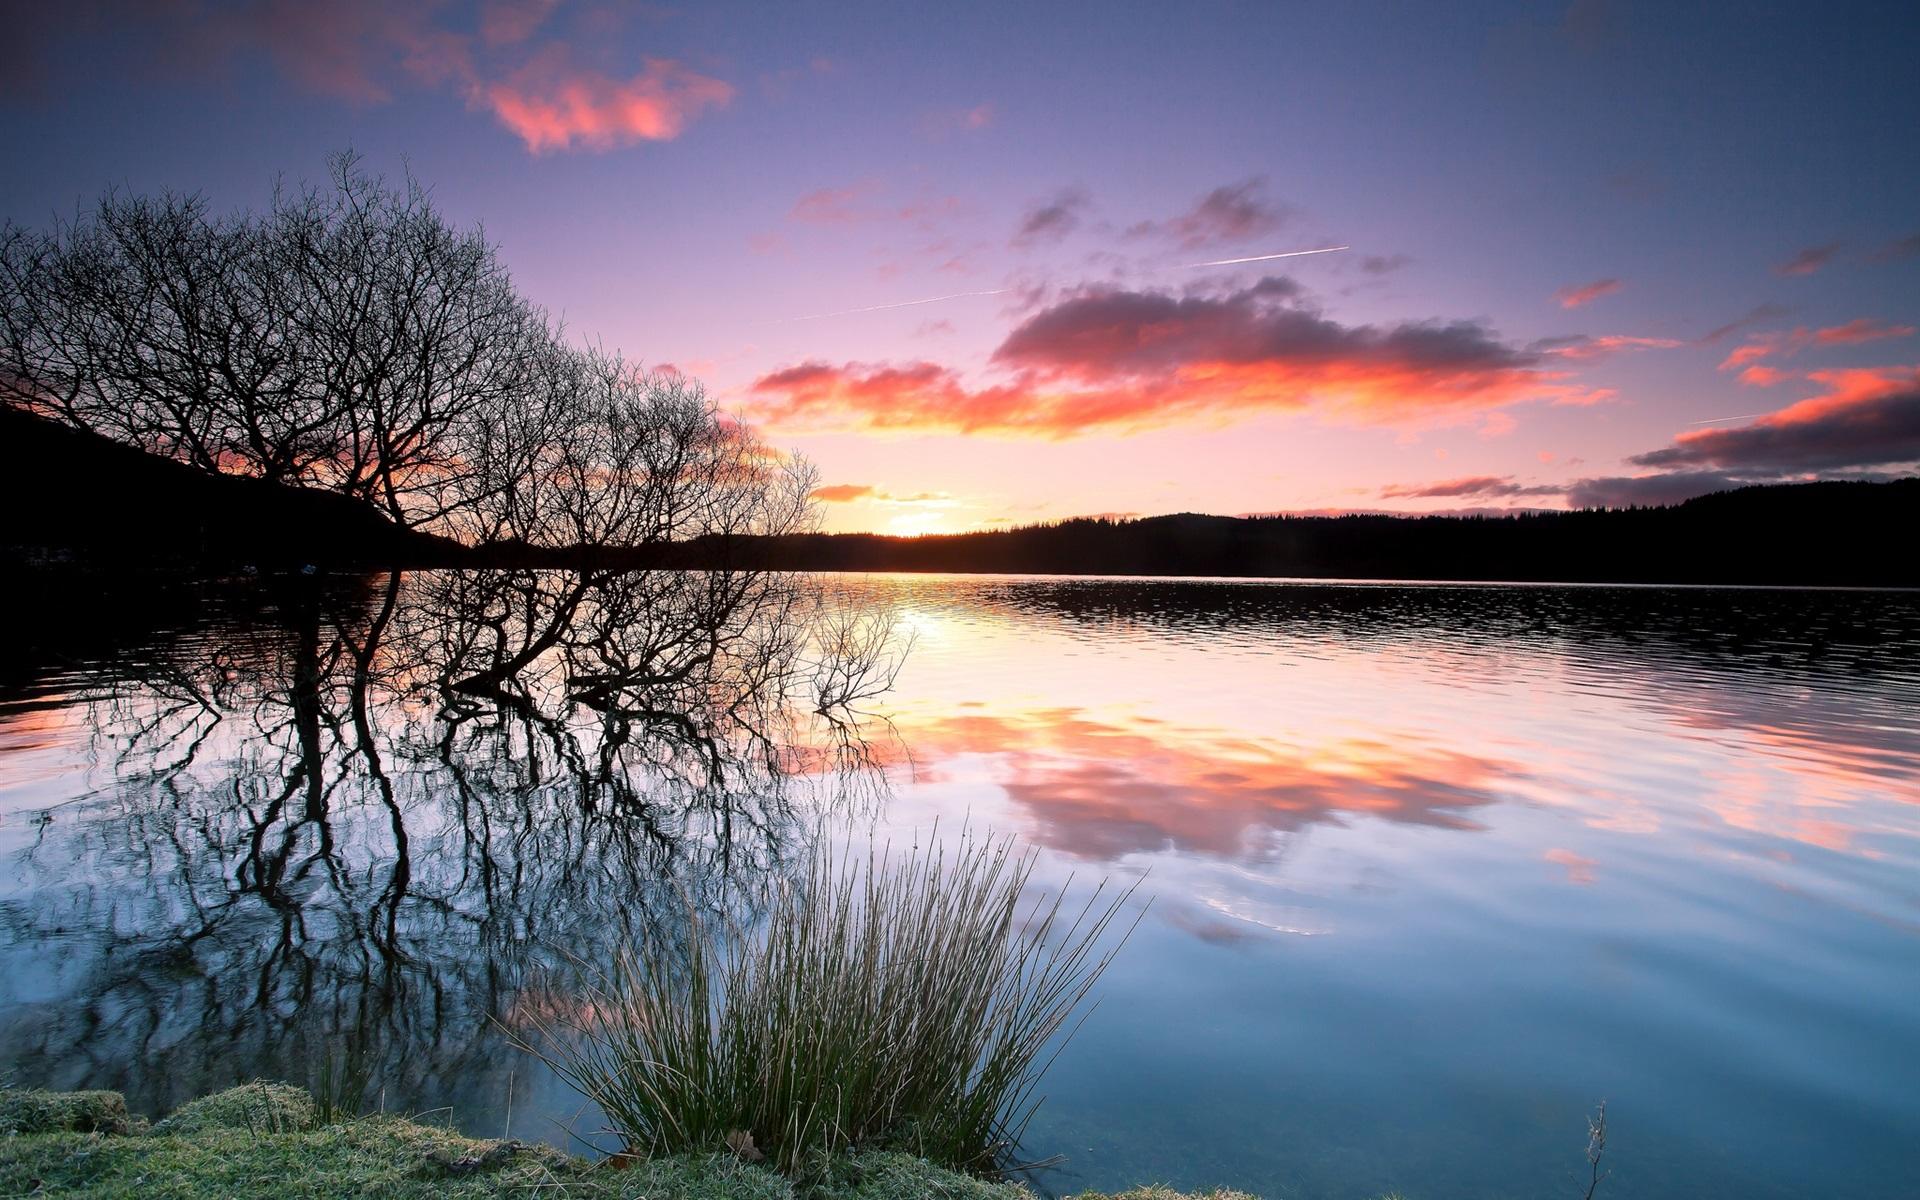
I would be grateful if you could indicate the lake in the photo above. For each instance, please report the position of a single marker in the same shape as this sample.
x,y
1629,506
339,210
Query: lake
x,y
1434,869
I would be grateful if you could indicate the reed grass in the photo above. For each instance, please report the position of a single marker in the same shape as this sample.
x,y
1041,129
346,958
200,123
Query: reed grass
x,y
911,1003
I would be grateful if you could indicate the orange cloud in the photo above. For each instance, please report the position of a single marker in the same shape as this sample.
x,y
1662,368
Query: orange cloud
x,y
1763,376
842,493
1575,295
551,105
1110,361
846,493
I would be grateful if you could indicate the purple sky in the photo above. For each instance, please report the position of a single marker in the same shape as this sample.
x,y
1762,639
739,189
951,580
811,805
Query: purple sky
x,y
1575,233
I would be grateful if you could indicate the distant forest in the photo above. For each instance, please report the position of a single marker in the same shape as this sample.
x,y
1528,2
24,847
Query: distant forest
x,y
1807,533
71,495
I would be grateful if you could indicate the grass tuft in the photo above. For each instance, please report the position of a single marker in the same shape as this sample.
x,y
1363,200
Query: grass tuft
x,y
255,1108
885,1175
907,1004
384,1157
702,1177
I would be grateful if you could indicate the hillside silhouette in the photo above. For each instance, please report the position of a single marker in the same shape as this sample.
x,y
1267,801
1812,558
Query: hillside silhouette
x,y
73,495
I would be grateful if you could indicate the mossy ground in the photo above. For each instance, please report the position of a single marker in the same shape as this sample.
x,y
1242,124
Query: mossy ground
x,y
264,1139
29,1110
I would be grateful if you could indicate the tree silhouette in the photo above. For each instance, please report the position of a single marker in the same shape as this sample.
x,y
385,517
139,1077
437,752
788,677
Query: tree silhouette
x,y
349,339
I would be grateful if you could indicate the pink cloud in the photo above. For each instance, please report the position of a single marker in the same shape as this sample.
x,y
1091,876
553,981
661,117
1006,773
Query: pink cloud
x,y
832,205
1106,360
942,123
1498,424
768,243
1785,343
1861,329
1763,376
1898,249
862,203
509,22
1866,418
362,50
1471,486
552,105
1231,213
1809,260
350,49
1575,295
1584,349
1580,869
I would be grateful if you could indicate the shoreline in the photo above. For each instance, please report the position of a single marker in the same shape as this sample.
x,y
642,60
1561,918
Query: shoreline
x,y
263,1138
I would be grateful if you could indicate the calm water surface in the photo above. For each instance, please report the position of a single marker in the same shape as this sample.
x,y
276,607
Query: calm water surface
x,y
1435,869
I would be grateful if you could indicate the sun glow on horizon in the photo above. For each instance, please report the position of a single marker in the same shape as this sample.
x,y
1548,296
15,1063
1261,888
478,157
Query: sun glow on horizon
x,y
919,524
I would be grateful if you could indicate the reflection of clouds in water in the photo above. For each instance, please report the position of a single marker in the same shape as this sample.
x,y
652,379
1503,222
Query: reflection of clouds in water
x,y
1580,869
1785,714
1211,813
1799,756
1199,728
1101,787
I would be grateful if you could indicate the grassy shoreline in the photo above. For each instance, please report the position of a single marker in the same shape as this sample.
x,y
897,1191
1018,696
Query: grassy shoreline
x,y
263,1139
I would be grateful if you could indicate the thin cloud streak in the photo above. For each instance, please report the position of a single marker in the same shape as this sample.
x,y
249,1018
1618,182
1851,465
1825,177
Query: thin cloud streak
x,y
1228,262
847,312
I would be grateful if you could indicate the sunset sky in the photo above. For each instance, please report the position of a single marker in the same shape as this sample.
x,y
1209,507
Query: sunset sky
x,y
1596,254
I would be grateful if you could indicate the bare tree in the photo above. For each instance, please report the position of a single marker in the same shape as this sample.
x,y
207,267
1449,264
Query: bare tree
x,y
350,339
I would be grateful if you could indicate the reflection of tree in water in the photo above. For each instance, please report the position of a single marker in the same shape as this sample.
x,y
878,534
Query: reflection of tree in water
x,y
357,828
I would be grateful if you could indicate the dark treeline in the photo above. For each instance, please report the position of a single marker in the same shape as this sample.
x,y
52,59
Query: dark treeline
x,y
69,493
75,494
1810,533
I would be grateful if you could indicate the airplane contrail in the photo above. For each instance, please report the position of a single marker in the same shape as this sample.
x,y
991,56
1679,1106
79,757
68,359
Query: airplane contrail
x,y
847,312
1227,262
1724,420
